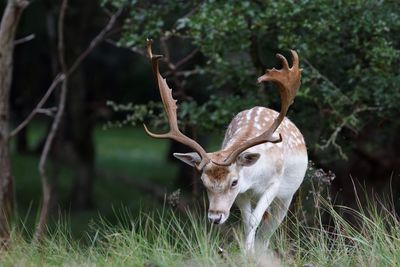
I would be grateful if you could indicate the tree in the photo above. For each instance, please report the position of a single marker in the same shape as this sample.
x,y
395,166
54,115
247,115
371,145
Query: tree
x,y
66,69
8,28
76,140
350,79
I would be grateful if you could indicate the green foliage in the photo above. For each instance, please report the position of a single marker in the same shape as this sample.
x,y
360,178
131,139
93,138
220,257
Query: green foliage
x,y
356,48
210,115
349,51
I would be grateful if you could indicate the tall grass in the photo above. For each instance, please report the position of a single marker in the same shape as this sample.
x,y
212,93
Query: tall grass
x,y
372,238
369,237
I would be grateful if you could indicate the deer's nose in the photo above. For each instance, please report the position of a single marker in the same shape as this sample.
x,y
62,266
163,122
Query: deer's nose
x,y
215,217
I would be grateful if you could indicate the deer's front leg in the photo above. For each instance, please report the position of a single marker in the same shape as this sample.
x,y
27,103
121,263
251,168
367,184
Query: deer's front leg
x,y
244,204
256,216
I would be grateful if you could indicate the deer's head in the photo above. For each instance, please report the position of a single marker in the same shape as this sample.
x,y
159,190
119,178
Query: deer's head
x,y
222,171
223,183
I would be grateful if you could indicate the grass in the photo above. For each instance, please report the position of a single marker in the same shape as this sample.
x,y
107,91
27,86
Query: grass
x,y
128,228
125,152
120,152
170,239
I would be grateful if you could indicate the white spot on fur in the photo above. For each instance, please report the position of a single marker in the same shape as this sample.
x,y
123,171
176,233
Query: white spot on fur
x,y
257,126
258,114
248,115
237,130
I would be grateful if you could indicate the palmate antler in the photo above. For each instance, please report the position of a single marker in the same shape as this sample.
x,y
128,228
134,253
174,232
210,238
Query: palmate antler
x,y
288,81
170,109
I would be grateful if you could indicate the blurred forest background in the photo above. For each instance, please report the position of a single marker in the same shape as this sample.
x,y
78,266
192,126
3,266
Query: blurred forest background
x,y
100,159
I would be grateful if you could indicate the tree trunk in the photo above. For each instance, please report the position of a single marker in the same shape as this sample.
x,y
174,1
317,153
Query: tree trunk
x,y
80,136
188,178
8,28
78,125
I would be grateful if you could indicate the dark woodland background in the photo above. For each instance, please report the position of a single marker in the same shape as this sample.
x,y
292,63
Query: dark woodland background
x,y
101,160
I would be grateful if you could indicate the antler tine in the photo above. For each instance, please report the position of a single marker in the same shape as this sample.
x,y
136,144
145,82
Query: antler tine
x,y
285,64
295,59
170,107
288,81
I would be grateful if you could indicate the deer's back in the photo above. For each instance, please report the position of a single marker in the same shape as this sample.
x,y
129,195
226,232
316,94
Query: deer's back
x,y
253,122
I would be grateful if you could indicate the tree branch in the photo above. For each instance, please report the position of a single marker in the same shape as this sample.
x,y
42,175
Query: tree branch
x,y
333,137
47,111
172,68
46,186
133,49
25,39
186,58
98,39
181,62
63,78
60,76
327,80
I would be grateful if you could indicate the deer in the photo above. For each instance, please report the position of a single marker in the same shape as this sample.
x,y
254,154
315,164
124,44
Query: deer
x,y
262,161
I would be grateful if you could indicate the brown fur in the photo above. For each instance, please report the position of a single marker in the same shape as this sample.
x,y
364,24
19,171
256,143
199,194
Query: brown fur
x,y
266,217
292,138
275,155
217,172
246,134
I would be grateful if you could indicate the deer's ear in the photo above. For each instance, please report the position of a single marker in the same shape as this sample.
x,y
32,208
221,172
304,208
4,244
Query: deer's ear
x,y
189,158
247,159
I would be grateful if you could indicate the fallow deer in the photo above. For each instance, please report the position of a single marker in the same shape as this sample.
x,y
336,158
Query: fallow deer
x,y
263,158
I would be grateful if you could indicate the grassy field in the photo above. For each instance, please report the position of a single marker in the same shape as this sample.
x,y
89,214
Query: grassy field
x,y
166,239
129,228
122,152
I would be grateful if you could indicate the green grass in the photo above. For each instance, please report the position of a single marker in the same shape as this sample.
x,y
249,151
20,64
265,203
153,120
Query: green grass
x,y
131,152
125,152
120,152
129,228
168,239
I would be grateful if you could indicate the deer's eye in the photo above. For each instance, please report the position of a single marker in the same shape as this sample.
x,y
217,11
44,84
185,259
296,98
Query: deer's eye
x,y
234,183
